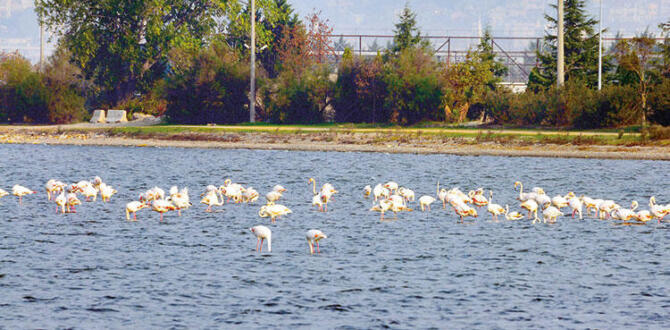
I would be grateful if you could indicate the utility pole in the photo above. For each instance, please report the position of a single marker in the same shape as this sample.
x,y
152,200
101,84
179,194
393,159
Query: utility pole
x,y
41,46
600,47
252,90
560,77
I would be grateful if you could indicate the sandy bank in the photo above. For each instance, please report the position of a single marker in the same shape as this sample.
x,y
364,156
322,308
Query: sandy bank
x,y
359,142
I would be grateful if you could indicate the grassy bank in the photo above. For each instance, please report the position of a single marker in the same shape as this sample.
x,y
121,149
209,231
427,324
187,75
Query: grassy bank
x,y
388,133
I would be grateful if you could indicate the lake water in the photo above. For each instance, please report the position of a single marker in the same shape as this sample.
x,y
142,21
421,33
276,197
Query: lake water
x,y
94,269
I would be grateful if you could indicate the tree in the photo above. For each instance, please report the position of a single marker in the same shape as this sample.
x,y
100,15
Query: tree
x,y
406,33
122,44
468,83
580,46
487,56
274,18
341,44
634,55
318,38
23,95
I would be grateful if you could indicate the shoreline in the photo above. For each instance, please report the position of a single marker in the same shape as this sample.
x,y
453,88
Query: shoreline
x,y
328,141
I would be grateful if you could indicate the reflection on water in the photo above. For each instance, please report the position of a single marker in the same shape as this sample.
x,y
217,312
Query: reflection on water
x,y
425,269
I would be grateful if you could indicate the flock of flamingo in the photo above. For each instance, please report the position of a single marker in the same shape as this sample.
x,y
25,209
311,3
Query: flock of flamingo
x,y
387,197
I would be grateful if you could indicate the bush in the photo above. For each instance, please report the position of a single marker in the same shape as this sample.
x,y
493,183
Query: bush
x,y
659,132
299,98
659,103
497,105
360,91
23,96
414,86
210,87
63,80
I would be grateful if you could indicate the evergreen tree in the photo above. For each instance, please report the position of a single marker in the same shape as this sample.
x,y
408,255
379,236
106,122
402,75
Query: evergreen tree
x,y
486,55
406,32
580,47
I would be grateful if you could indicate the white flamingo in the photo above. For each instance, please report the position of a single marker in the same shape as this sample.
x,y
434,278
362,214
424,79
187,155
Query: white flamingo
x,y
262,233
313,237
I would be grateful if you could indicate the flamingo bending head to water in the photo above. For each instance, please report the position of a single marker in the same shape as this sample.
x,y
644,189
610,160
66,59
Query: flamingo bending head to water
x,y
262,233
313,237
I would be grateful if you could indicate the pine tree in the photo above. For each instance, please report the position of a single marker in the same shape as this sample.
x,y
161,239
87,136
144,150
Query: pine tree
x,y
406,32
486,55
580,47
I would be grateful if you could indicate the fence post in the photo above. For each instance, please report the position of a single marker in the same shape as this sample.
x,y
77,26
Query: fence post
x,y
360,45
448,51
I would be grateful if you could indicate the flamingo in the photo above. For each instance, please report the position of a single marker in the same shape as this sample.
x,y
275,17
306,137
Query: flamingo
x,y
316,200
442,195
3,193
494,209
550,214
643,215
21,191
61,201
624,214
478,198
531,206
379,191
383,206
463,210
512,215
524,197
133,207
559,201
407,194
262,233
313,237
279,188
273,211
367,190
211,199
273,196
181,200
106,192
658,211
543,200
605,207
398,205
391,186
576,205
590,204
161,206
53,187
425,201
250,195
72,201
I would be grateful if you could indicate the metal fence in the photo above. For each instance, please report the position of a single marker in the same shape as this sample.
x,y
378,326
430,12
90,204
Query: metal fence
x,y
517,53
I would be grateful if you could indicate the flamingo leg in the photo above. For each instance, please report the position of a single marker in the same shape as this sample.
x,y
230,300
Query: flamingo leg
x,y
261,247
257,241
135,216
317,247
161,216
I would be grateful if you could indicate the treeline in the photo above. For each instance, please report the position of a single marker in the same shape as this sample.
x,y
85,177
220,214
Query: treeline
x,y
191,64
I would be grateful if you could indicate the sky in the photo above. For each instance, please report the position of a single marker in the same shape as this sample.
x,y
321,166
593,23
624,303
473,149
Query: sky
x,y
19,29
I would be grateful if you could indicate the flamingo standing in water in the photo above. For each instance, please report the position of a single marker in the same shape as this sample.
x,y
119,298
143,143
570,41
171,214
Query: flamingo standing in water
x,y
262,233
313,237
273,211
61,201
463,210
531,206
211,198
72,202
550,214
383,206
133,207
21,191
425,201
161,206
494,209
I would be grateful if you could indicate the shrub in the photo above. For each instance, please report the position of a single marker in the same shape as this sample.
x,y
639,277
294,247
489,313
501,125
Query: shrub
x,y
210,87
415,89
659,132
23,96
497,105
659,103
299,98
63,80
360,91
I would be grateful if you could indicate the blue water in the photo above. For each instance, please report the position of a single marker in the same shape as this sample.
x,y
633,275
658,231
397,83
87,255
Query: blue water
x,y
94,269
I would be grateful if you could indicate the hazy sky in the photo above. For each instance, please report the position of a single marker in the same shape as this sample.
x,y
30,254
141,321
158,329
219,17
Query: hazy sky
x,y
19,30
